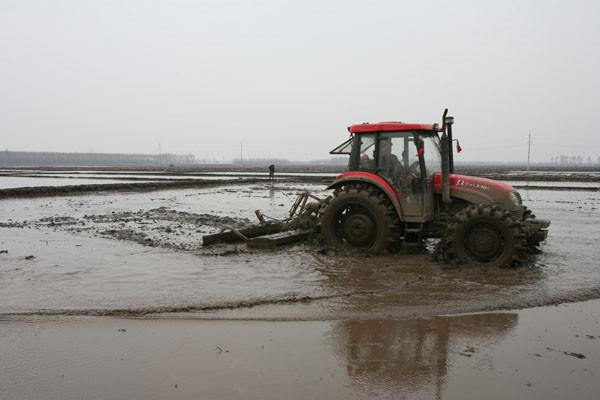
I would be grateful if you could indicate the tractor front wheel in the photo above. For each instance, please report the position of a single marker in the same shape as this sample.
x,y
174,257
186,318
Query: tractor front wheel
x,y
359,216
485,236
533,241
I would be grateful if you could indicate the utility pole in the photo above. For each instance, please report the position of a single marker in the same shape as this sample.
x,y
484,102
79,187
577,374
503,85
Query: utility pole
x,y
159,154
528,151
241,153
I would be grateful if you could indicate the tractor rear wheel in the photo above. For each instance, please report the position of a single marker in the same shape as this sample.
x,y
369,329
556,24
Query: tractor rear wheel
x,y
359,216
484,235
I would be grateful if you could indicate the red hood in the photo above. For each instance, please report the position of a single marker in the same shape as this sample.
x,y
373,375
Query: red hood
x,y
465,182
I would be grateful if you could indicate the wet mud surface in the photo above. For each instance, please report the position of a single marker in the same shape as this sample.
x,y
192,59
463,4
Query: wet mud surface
x,y
27,183
545,353
140,254
157,227
49,191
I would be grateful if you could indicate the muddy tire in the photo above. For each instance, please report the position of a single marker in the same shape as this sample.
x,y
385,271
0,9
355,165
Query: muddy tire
x,y
484,236
527,213
360,216
533,243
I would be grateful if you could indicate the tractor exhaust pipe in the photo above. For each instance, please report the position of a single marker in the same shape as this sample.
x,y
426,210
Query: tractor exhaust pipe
x,y
445,170
446,149
449,121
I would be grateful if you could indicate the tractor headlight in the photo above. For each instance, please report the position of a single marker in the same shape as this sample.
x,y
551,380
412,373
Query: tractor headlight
x,y
514,199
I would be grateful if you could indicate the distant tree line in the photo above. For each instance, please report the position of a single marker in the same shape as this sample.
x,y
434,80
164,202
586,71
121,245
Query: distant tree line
x,y
29,158
573,160
283,161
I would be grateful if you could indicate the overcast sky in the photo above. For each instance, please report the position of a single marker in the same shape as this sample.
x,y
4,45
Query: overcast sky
x,y
287,77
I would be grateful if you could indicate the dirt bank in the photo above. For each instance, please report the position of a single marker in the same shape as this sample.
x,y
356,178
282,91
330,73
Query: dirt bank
x,y
48,191
68,190
559,188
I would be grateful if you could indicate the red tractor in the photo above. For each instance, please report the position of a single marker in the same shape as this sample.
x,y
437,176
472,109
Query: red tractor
x,y
400,188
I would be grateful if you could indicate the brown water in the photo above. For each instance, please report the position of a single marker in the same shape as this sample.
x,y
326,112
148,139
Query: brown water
x,y
138,253
548,353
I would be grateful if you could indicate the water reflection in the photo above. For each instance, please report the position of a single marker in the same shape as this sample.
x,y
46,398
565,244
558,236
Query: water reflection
x,y
416,284
412,355
271,193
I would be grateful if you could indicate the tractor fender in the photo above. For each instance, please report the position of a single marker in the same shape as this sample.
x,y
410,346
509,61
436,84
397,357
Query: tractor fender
x,y
373,180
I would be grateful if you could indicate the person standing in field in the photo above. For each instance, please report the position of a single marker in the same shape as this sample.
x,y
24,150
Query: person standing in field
x,y
272,171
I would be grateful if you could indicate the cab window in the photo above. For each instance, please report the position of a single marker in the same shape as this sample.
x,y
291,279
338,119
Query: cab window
x,y
398,159
431,155
367,152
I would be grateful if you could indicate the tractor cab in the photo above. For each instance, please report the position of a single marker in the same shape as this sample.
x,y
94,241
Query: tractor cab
x,y
405,156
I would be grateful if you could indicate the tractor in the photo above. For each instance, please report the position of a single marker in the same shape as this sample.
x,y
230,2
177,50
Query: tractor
x,y
400,188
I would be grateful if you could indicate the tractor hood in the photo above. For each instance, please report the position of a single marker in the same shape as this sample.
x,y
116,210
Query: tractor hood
x,y
474,189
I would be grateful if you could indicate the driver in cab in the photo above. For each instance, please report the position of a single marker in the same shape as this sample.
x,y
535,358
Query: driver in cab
x,y
390,165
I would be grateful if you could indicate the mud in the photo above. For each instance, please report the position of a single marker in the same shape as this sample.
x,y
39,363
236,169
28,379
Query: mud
x,y
140,254
120,283
158,227
559,188
48,191
541,353
542,176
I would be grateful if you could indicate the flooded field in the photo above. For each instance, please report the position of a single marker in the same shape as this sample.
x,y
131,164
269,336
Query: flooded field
x,y
18,178
110,279
555,184
140,253
10,182
545,353
53,180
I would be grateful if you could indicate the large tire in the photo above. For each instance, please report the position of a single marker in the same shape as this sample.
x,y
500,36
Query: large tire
x,y
527,213
360,216
485,236
533,243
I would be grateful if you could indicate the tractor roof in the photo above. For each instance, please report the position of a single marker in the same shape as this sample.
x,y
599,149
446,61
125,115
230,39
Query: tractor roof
x,y
391,126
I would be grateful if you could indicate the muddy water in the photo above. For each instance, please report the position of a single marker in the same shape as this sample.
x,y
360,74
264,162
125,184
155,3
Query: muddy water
x,y
10,179
9,182
80,264
555,184
140,253
238,201
547,353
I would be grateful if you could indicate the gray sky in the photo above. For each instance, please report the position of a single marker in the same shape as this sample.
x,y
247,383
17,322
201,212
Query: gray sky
x,y
287,77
